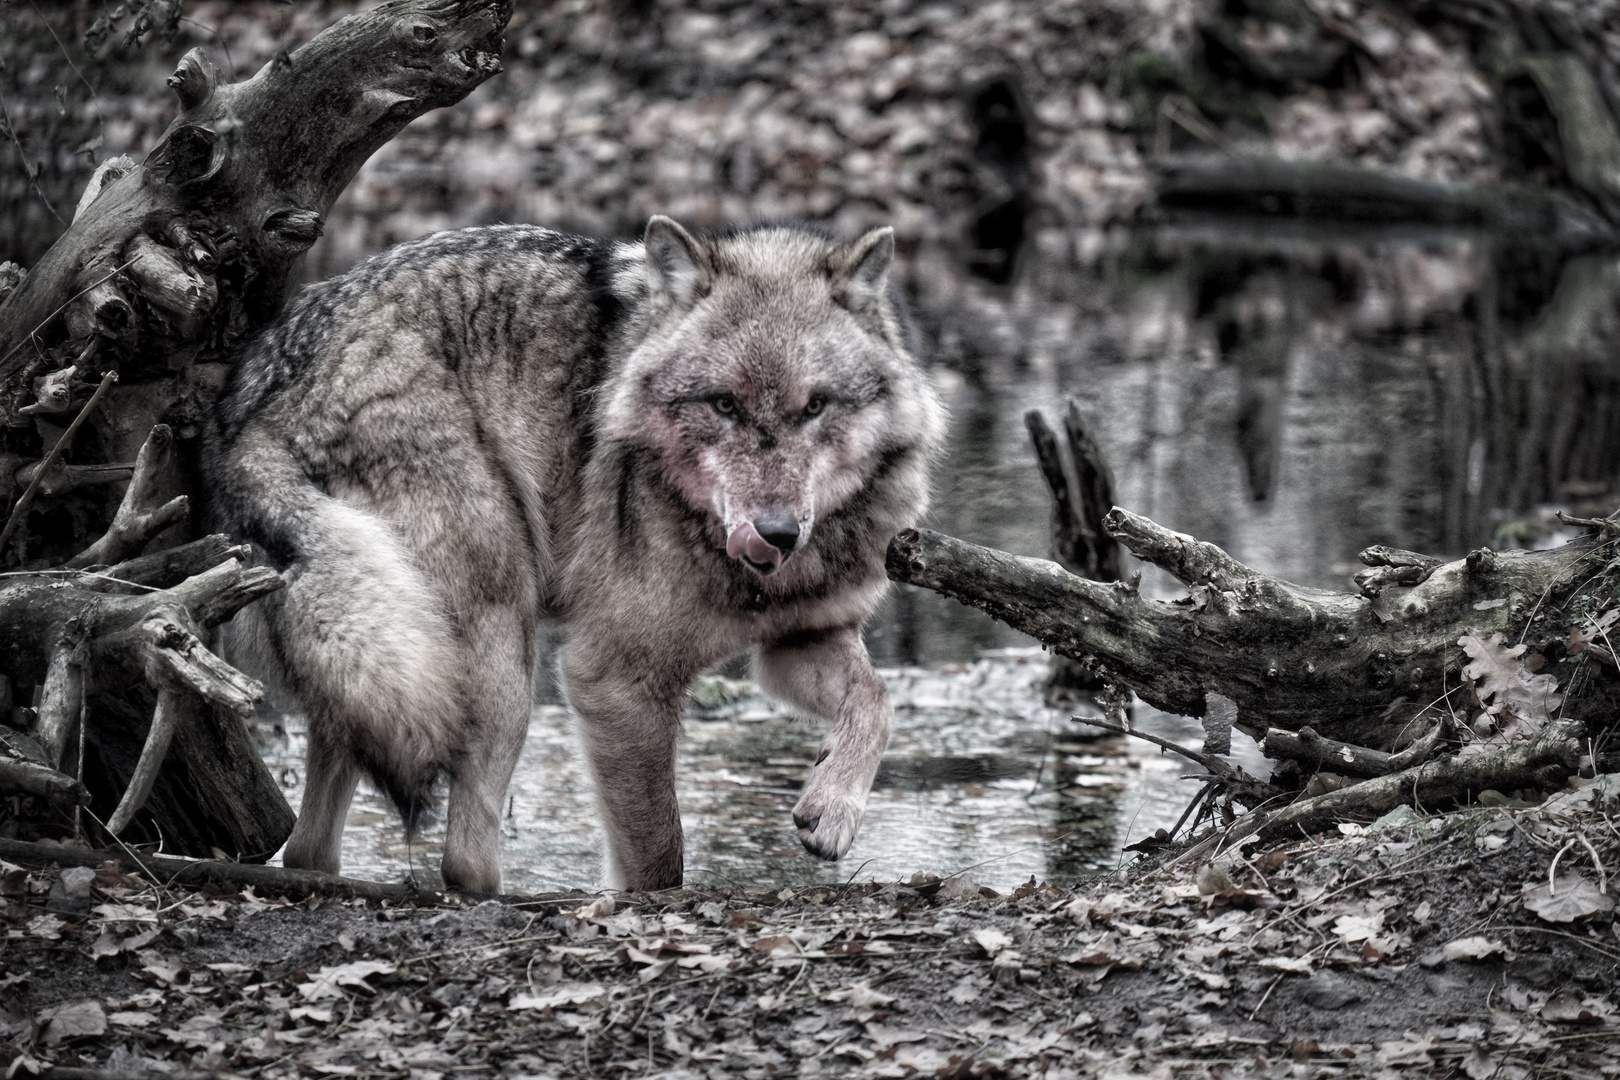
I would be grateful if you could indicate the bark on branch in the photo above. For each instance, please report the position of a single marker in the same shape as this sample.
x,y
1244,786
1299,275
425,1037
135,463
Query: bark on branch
x,y
1289,656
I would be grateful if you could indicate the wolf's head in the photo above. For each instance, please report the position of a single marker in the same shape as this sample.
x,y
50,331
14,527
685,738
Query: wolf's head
x,y
774,385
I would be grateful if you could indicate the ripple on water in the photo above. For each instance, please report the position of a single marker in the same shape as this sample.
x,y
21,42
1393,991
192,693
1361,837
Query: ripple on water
x,y
980,775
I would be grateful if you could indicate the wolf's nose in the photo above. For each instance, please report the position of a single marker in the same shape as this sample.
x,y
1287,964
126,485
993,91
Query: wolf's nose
x,y
779,532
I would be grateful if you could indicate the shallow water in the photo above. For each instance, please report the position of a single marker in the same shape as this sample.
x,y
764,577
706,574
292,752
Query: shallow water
x,y
980,776
1292,394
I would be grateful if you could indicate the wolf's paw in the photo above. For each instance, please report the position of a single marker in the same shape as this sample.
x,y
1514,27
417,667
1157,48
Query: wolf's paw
x,y
827,823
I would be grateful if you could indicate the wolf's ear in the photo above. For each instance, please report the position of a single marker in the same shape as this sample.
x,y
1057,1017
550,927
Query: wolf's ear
x,y
862,275
676,264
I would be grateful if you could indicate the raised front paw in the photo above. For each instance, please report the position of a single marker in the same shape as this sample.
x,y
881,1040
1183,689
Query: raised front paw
x,y
827,820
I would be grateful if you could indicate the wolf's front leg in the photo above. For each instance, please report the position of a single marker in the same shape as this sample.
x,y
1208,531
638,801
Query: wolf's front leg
x,y
831,676
630,721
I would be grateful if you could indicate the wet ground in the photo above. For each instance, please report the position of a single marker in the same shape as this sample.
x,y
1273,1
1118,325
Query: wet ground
x,y
980,776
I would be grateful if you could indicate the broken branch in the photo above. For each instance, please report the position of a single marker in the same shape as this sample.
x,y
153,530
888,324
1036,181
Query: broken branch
x,y
19,511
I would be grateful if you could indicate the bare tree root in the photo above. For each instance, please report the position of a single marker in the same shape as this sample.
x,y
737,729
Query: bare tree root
x,y
135,625
140,515
167,263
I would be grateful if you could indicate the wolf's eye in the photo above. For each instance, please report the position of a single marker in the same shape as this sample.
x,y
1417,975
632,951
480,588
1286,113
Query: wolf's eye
x,y
814,406
725,405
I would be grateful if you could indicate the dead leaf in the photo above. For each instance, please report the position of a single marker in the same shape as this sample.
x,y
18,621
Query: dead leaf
x,y
131,1018
1213,878
328,981
1498,672
1574,897
74,1020
1569,1007
48,927
600,908
864,1002
960,887
1294,965
1358,927
561,994
106,945
1413,1051
776,945
991,940
1479,1065
168,971
707,962
886,1037
1472,948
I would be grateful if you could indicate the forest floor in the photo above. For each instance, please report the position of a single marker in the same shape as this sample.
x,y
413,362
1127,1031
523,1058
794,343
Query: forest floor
x,y
1420,945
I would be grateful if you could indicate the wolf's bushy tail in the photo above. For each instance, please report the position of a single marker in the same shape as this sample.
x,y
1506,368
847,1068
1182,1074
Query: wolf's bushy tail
x,y
357,636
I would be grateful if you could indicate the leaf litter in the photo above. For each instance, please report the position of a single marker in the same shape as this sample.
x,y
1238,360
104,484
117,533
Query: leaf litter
x,y
1405,948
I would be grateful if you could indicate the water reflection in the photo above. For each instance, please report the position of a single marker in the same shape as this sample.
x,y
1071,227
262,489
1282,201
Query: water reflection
x,y
1292,393
980,776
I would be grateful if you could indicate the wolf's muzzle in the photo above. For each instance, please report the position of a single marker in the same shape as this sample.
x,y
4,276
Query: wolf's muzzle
x,y
764,544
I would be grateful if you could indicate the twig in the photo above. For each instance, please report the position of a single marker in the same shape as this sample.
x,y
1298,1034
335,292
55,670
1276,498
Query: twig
x,y
1559,933
1213,764
165,718
1259,790
1607,526
62,444
101,119
29,170
1264,998
1203,794
1603,875
1552,870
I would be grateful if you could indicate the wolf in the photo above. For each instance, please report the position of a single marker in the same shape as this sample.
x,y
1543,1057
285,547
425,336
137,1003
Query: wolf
x,y
683,449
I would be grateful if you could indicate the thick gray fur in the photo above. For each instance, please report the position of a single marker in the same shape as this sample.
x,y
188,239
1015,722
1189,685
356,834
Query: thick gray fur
x,y
484,429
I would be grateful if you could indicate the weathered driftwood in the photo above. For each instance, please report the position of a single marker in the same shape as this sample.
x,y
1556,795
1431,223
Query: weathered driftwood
x,y
1082,488
166,264
1287,655
25,777
1331,755
134,631
1542,763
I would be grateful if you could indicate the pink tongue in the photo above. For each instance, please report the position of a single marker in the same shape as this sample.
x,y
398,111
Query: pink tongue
x,y
745,540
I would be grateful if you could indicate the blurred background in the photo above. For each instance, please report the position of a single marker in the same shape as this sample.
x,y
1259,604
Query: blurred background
x,y
1319,274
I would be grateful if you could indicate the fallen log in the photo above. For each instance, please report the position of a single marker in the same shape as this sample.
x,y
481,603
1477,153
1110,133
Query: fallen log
x,y
164,871
1288,656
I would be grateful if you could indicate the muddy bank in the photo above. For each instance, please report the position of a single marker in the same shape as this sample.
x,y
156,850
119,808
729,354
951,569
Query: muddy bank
x,y
1418,946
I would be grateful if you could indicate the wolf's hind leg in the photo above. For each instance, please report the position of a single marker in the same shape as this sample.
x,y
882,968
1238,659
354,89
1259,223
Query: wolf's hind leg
x,y
499,690
831,676
329,781
630,729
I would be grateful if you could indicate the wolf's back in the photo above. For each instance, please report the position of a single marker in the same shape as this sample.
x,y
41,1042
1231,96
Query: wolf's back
x,y
358,635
